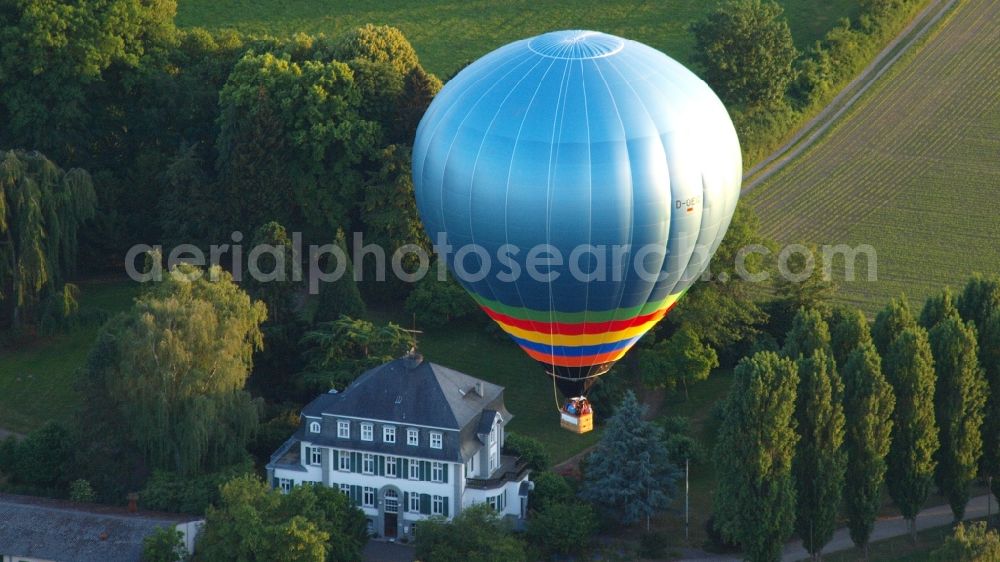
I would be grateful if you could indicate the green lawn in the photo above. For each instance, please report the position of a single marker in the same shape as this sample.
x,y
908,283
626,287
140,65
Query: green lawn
x,y
36,381
899,549
447,33
911,170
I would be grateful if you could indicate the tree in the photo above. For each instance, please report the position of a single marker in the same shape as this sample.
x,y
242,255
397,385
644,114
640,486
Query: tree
x,y
989,352
337,352
550,488
970,543
309,524
166,544
909,368
819,462
478,533
274,283
848,331
746,51
809,333
563,529
167,376
979,298
890,322
793,294
42,461
340,297
959,400
938,308
378,43
42,209
755,502
628,473
868,410
681,357
529,449
435,303
419,90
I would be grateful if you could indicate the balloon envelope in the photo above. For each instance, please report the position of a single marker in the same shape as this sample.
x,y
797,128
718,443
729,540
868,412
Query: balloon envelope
x,y
583,182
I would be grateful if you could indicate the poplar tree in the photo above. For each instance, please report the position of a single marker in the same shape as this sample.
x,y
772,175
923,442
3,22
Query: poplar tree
x,y
868,410
755,503
849,330
989,353
959,400
890,323
819,457
808,334
909,368
979,298
938,308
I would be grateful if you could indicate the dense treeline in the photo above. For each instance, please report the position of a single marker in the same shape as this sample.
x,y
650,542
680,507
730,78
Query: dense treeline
x,y
905,405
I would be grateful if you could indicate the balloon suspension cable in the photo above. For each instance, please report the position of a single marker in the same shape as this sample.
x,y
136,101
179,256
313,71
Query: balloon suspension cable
x,y
555,394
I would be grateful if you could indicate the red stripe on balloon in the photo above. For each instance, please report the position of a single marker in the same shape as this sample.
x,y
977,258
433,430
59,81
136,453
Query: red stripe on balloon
x,y
583,361
579,328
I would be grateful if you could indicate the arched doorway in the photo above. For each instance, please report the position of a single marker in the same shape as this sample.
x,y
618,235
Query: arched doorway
x,y
390,512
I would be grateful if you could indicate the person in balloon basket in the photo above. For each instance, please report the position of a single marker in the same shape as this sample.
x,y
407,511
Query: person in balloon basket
x,y
578,407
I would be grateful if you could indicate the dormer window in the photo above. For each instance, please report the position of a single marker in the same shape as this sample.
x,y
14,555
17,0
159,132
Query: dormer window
x,y
388,434
367,432
413,437
436,440
343,429
314,427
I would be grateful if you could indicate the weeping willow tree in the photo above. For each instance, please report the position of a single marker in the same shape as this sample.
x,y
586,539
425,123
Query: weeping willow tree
x,y
42,209
169,374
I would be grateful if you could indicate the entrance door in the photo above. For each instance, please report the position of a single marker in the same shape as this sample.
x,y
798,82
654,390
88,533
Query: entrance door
x,y
390,511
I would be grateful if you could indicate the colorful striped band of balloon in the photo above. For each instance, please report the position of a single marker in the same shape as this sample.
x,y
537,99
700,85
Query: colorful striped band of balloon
x,y
577,339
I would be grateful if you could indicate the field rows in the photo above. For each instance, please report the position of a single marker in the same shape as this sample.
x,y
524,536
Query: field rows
x,y
912,170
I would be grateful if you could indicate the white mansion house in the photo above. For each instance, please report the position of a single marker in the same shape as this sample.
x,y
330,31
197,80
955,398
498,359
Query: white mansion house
x,y
407,440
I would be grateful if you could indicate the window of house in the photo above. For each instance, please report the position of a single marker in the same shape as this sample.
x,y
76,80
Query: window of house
x,y
437,472
314,427
346,488
413,437
493,435
470,466
344,461
367,432
368,464
437,505
390,467
315,456
388,434
368,497
414,470
285,484
414,503
435,440
493,461
343,429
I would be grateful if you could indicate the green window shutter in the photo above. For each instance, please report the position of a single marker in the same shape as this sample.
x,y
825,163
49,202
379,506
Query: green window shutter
x,y
446,502
356,495
355,462
308,459
406,501
425,504
381,465
336,460
425,470
406,469
447,469
274,483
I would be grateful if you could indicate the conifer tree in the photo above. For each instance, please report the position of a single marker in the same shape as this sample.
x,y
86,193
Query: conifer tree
x,y
809,333
937,308
890,323
629,473
849,330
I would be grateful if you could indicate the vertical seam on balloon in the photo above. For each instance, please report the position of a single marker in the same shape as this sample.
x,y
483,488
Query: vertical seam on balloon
x,y
631,229
590,190
557,123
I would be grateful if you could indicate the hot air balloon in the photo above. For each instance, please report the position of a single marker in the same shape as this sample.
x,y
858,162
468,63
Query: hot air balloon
x,y
583,182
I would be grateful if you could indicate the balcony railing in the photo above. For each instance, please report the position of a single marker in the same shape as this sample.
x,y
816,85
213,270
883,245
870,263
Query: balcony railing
x,y
509,472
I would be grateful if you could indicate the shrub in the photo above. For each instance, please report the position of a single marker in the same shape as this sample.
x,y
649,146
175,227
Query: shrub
x,y
529,449
653,544
166,544
80,491
563,528
969,543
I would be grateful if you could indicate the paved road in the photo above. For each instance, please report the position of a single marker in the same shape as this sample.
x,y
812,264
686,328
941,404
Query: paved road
x,y
379,551
937,516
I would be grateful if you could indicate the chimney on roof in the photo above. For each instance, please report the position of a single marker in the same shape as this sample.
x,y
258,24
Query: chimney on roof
x,y
479,389
413,358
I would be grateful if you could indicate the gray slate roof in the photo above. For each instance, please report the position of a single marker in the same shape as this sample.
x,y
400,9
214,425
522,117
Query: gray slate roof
x,y
68,532
410,391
